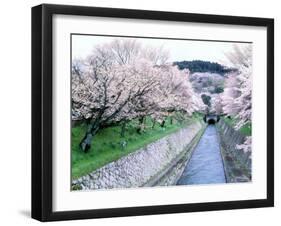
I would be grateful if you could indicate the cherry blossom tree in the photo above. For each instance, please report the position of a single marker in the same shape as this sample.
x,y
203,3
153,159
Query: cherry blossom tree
x,y
231,93
237,96
107,98
238,90
174,94
216,104
121,81
246,146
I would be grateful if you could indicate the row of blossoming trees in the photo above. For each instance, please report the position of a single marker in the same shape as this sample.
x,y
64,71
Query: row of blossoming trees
x,y
236,100
123,80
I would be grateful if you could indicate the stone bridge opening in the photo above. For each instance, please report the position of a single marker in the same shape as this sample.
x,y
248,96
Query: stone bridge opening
x,y
211,119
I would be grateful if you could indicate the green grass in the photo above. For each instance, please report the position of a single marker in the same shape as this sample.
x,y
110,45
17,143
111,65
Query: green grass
x,y
245,130
107,143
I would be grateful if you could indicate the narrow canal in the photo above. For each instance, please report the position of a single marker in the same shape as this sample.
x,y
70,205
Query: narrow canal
x,y
205,165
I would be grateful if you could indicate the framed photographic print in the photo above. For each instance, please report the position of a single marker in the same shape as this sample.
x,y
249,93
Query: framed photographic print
x,y
145,112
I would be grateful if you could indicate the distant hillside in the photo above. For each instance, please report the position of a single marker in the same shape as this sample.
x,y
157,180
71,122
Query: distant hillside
x,y
203,66
206,82
208,86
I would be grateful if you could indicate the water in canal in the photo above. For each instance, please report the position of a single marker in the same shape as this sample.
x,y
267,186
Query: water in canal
x,y
205,165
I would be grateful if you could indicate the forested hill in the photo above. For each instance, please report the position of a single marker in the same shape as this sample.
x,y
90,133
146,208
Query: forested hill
x,y
203,66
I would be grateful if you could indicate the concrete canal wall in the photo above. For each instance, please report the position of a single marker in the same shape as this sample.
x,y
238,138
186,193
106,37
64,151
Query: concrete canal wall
x,y
148,166
237,163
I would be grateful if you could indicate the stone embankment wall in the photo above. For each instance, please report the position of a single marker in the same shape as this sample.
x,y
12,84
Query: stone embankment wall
x,y
143,167
237,163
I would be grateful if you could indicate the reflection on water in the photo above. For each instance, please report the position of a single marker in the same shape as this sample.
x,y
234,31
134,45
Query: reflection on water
x,y
205,165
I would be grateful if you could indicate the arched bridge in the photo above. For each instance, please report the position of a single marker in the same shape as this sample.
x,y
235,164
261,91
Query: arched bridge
x,y
211,119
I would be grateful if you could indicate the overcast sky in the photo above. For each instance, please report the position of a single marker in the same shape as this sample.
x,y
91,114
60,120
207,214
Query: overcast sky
x,y
82,46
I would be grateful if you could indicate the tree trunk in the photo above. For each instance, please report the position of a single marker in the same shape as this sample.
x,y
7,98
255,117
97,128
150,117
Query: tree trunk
x,y
139,129
162,123
171,120
153,123
85,143
205,118
123,129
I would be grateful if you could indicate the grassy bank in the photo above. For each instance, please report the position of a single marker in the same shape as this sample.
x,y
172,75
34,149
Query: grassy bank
x,y
245,130
108,145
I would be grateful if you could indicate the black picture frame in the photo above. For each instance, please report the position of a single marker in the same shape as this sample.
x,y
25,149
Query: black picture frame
x,y
42,86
